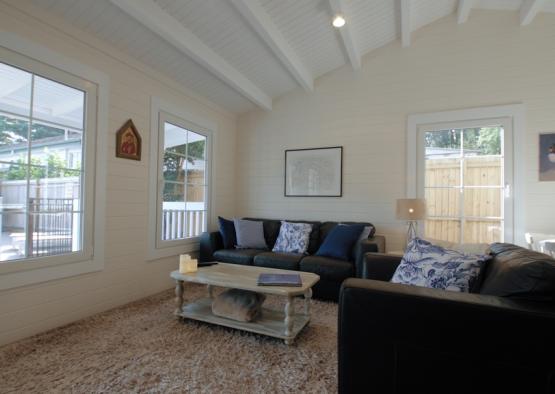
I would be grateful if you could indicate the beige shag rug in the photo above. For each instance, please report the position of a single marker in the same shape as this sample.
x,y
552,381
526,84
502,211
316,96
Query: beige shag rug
x,y
142,347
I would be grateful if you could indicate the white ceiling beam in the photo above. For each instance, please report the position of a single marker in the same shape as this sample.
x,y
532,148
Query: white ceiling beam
x,y
353,53
529,10
160,22
404,19
263,25
463,10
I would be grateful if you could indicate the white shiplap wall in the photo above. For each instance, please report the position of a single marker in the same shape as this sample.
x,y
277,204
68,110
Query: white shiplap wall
x,y
489,60
127,276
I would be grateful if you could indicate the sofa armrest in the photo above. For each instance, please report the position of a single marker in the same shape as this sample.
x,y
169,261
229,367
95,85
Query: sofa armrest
x,y
209,243
391,337
374,244
379,266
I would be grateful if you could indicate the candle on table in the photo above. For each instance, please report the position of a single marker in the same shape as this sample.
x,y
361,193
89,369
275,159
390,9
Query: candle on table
x,y
186,264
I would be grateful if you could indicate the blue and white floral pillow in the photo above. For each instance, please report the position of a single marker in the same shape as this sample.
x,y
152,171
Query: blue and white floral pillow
x,y
432,266
293,237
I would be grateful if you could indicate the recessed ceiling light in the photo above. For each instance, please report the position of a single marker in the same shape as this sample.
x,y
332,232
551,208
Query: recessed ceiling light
x,y
338,21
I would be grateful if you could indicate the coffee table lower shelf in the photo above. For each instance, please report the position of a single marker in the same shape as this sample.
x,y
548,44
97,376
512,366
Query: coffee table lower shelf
x,y
271,323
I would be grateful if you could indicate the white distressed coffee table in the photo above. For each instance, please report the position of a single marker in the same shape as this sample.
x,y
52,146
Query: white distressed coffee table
x,y
285,325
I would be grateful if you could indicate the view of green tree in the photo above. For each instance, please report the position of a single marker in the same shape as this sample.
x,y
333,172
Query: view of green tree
x,y
174,164
53,168
13,130
482,140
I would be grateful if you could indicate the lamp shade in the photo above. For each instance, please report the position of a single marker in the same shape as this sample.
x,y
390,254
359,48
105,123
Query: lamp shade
x,y
411,209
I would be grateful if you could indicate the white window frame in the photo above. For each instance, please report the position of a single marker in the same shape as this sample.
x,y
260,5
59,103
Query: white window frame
x,y
160,111
39,60
515,115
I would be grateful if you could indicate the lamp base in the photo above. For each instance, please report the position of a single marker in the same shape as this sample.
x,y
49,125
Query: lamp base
x,y
412,231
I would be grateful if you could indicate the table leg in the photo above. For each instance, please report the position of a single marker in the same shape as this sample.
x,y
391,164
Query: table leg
x,y
307,301
210,289
288,319
178,297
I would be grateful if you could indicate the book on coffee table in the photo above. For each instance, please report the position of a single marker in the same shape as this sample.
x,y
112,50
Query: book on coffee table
x,y
293,280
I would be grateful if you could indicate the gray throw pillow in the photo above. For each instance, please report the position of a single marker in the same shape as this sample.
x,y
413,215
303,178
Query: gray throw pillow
x,y
250,234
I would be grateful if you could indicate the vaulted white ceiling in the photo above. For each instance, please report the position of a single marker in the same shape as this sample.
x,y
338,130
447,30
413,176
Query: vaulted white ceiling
x,y
243,53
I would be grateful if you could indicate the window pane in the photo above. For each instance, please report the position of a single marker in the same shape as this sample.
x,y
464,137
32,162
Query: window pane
x,y
55,210
174,167
480,141
174,219
443,172
483,171
195,197
443,202
483,202
443,143
175,139
13,140
447,230
196,146
476,231
13,236
57,103
175,193
15,90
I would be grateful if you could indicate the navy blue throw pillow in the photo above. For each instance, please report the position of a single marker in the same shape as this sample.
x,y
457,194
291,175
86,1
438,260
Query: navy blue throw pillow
x,y
340,241
227,229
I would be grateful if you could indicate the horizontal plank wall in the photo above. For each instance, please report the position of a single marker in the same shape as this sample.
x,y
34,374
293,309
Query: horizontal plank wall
x,y
127,275
489,60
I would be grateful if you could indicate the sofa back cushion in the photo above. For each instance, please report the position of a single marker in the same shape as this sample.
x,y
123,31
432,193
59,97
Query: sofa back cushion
x,y
271,232
249,234
520,273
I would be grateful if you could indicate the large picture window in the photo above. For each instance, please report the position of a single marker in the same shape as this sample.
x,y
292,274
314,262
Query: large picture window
x,y
183,180
45,115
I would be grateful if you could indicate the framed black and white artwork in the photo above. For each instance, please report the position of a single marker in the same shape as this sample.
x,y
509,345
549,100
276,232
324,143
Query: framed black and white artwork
x,y
314,172
547,157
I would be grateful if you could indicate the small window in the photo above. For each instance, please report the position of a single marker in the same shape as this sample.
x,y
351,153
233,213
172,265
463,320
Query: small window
x,y
183,181
45,114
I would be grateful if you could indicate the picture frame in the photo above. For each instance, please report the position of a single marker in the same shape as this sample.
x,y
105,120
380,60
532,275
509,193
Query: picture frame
x,y
128,142
547,157
314,172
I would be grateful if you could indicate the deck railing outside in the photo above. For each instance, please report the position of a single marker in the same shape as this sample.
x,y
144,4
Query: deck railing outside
x,y
180,224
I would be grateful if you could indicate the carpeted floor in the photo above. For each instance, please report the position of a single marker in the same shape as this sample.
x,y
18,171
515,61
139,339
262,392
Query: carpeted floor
x,y
142,347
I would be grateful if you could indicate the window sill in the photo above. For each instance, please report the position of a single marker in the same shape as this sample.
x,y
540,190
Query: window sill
x,y
187,247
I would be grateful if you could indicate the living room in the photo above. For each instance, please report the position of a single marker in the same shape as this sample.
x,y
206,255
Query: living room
x,y
134,133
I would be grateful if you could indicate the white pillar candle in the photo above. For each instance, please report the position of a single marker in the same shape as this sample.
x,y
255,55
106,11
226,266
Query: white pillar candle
x,y
183,258
186,264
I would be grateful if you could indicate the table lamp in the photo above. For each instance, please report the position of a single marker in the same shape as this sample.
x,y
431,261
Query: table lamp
x,y
411,210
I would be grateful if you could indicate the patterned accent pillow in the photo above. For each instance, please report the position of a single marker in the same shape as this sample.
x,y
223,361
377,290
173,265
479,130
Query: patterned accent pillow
x,y
293,237
432,266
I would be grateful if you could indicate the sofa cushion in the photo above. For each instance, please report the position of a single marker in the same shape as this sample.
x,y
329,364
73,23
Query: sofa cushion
x,y
428,265
250,234
293,237
285,261
272,227
519,273
340,242
227,229
328,268
236,256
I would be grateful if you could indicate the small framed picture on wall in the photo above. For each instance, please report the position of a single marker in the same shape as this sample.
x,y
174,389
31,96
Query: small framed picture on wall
x,y
547,157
